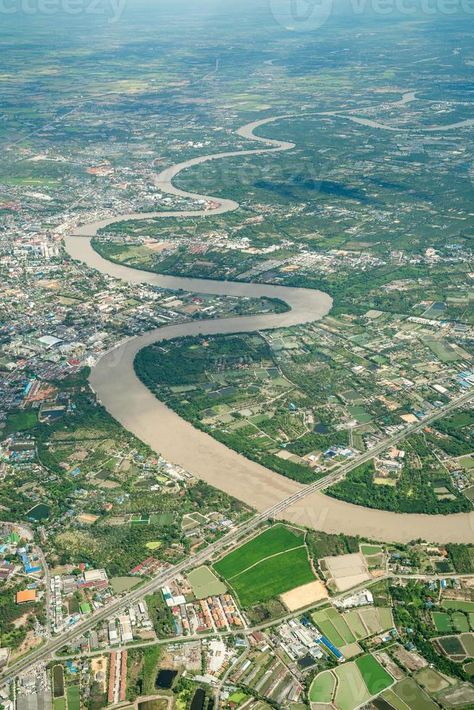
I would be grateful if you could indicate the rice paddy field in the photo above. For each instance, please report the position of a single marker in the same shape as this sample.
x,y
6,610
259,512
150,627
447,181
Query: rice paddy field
x,y
274,562
276,539
352,626
452,623
458,605
322,688
458,647
431,680
413,697
374,675
350,684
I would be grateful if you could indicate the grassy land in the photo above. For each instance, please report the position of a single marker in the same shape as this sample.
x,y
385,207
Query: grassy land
x,y
151,658
73,697
322,688
375,676
274,540
20,421
458,605
413,696
273,576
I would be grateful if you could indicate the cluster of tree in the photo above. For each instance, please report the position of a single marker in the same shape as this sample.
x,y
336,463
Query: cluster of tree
x,y
409,607
462,558
413,493
321,544
160,615
186,361
10,611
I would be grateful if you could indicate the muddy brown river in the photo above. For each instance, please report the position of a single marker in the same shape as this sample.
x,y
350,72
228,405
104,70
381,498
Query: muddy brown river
x,y
128,400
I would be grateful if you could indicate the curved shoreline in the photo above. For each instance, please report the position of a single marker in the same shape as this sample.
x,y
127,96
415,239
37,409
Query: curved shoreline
x,y
138,410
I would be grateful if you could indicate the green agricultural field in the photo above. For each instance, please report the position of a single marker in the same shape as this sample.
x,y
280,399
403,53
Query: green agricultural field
x,y
393,700
369,550
73,697
458,605
468,643
272,541
59,704
355,624
342,629
452,646
322,688
460,622
328,630
431,680
442,622
340,625
325,624
413,696
273,576
351,690
205,584
375,676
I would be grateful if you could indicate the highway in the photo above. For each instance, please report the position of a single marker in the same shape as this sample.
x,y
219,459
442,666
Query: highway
x,y
47,650
306,305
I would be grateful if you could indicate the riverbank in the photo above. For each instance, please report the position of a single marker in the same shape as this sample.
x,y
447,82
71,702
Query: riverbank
x,y
138,410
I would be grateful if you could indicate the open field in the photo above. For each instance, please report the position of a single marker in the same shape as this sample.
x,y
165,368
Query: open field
x,y
345,571
270,542
356,683
375,676
413,696
273,576
355,625
205,583
370,550
431,680
322,688
73,697
123,584
305,595
458,605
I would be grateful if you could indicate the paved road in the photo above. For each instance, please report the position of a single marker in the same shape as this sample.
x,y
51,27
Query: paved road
x,y
464,524
203,556
139,411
